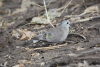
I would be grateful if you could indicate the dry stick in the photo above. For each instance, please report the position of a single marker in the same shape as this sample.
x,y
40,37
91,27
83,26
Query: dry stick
x,y
37,4
84,3
69,16
50,47
47,14
87,19
89,58
49,2
90,18
87,12
65,7
77,34
47,48
92,51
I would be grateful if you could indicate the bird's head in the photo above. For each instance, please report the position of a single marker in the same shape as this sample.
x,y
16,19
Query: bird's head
x,y
65,23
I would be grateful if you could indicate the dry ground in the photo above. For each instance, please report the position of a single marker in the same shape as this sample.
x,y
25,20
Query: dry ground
x,y
80,49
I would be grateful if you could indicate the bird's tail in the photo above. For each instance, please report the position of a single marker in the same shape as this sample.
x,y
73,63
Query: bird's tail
x,y
38,38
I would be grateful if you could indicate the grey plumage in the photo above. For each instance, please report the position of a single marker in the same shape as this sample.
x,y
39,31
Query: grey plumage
x,y
56,34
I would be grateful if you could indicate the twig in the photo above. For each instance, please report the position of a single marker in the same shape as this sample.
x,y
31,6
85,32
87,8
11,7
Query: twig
x,y
90,18
87,19
38,5
69,16
77,34
47,14
46,48
91,51
87,12
65,7
88,58
49,2
84,3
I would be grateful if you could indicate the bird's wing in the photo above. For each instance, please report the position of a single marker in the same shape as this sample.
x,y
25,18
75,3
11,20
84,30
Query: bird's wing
x,y
53,34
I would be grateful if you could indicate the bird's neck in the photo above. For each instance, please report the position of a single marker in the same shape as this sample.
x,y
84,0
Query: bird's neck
x,y
65,28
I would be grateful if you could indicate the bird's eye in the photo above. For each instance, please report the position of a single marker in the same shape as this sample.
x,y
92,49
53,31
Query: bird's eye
x,y
67,23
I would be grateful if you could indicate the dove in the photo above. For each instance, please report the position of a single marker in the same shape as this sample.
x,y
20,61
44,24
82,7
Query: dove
x,y
55,35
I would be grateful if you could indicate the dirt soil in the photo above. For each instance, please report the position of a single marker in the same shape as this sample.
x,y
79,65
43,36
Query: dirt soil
x,y
80,49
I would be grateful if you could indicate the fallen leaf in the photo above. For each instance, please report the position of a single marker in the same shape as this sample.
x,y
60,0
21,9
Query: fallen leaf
x,y
27,35
95,7
15,34
38,20
19,65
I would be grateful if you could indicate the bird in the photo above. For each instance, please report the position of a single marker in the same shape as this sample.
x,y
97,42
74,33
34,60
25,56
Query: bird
x,y
54,35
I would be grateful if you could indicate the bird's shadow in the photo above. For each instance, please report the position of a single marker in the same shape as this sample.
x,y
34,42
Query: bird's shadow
x,y
30,44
